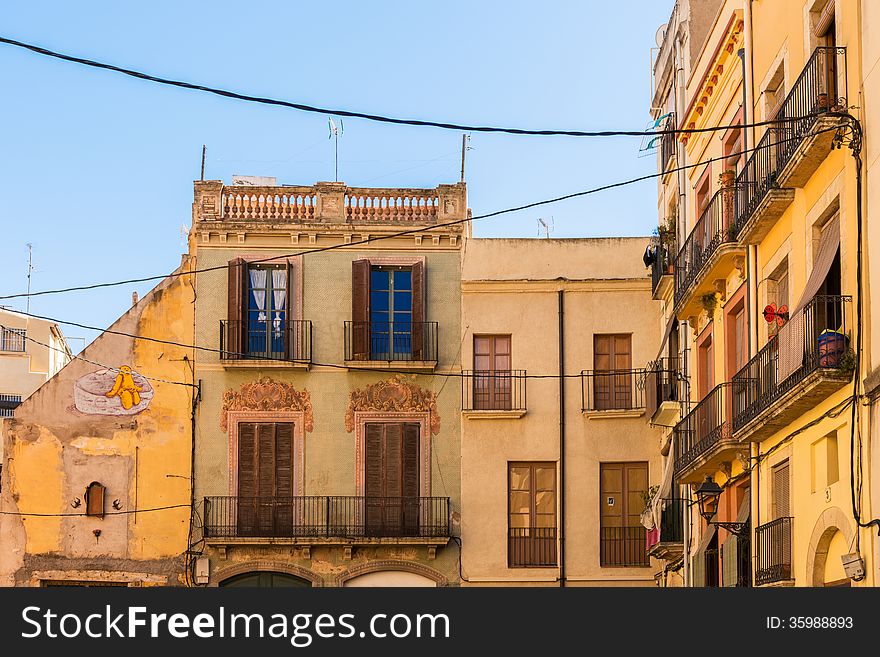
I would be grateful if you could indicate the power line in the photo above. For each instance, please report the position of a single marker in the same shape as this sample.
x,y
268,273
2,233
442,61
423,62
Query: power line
x,y
80,515
411,231
362,115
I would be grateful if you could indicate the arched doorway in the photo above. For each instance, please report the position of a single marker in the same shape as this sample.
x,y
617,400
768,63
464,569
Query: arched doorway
x,y
385,578
833,537
833,573
266,579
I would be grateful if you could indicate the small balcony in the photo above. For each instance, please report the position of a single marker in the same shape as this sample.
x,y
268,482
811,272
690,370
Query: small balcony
x,y
773,552
708,254
670,542
334,520
386,345
790,152
663,393
493,394
266,344
531,547
623,546
703,439
808,360
662,272
667,146
13,339
613,393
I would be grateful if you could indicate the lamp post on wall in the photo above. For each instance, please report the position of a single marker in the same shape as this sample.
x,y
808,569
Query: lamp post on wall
x,y
708,495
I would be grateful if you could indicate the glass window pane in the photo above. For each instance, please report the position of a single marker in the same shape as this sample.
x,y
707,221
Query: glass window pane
x,y
545,478
379,301
520,501
519,520
379,279
402,300
519,478
545,502
403,280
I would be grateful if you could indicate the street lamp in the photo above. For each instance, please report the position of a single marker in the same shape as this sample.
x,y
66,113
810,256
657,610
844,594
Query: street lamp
x,y
708,495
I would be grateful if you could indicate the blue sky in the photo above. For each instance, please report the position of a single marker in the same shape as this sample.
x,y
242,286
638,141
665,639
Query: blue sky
x,y
97,168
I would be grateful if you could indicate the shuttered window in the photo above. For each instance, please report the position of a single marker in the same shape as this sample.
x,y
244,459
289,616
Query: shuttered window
x,y
531,514
95,499
492,382
265,478
391,481
621,501
781,491
612,379
260,304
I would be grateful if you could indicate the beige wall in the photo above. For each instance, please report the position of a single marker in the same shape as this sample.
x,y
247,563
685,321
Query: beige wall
x,y
511,287
23,372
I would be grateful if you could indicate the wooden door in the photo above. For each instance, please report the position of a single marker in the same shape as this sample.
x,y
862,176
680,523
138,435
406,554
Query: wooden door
x,y
391,481
492,374
612,364
621,504
265,479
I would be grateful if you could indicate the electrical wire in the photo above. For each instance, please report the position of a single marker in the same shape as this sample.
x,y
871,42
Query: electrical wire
x,y
362,115
411,231
83,514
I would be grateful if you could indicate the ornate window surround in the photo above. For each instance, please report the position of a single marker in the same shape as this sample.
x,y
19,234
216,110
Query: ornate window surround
x,y
361,419
235,418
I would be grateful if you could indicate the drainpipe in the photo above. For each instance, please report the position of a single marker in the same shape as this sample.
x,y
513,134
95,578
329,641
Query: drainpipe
x,y
561,301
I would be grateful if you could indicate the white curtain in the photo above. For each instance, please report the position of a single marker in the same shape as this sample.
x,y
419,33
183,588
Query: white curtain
x,y
279,297
258,287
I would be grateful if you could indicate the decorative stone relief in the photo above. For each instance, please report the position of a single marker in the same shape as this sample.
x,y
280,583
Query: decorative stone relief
x,y
396,395
266,394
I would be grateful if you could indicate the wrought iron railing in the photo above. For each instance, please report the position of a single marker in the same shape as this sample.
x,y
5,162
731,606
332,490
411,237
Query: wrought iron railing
x,y
662,383
12,339
266,340
716,226
623,546
326,516
672,521
389,341
702,428
493,390
663,265
773,551
531,546
667,144
815,338
612,390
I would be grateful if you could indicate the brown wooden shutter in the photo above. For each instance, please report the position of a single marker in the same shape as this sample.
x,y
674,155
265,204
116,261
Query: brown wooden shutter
x,y
393,461
410,491
247,479
419,303
95,500
373,460
284,459
360,309
236,314
781,496
265,477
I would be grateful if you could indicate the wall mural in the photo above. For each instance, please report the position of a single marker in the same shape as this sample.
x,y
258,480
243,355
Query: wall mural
x,y
266,394
112,392
395,396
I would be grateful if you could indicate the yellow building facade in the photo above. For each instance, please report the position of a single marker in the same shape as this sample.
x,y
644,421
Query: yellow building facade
x,y
764,285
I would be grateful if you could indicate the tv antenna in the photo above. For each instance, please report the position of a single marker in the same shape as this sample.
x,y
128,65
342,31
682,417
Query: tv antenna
x,y
30,268
545,226
184,235
335,131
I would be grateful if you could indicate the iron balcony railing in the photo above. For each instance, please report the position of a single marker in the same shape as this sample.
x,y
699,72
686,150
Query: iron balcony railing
x,y
612,390
266,340
8,404
672,521
667,144
712,564
702,428
773,551
623,546
391,341
531,546
662,383
326,516
663,265
12,339
716,226
817,91
493,390
815,338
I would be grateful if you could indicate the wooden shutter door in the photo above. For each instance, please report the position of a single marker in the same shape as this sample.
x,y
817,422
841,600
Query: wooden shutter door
x,y
410,491
636,483
603,361
612,380
236,315
373,478
420,349
611,518
247,481
265,478
622,390
284,479
781,493
360,309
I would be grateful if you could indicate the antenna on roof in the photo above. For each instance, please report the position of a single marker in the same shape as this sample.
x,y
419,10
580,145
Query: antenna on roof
x,y
30,268
334,133
546,227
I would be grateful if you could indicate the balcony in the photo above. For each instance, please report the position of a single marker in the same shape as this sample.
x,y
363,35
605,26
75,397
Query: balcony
x,y
703,439
662,272
623,546
708,254
327,520
773,552
12,339
531,547
789,154
667,146
266,344
662,391
613,393
670,544
808,360
493,394
386,345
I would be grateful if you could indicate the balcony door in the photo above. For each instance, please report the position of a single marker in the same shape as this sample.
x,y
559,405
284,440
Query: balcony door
x,y
265,479
267,311
391,320
612,362
531,514
391,481
622,536
492,384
